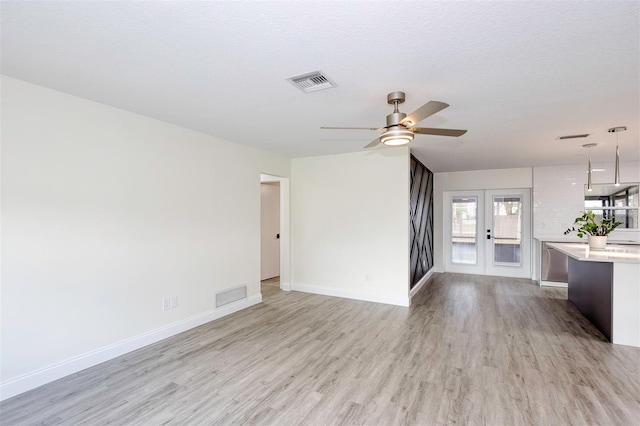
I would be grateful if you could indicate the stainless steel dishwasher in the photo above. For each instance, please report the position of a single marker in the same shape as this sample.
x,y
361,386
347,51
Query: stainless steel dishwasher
x,y
555,265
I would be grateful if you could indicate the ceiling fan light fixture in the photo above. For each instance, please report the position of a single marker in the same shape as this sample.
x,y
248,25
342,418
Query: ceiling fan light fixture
x,y
400,128
396,137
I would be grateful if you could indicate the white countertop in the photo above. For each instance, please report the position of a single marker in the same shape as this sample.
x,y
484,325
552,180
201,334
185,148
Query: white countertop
x,y
613,253
573,238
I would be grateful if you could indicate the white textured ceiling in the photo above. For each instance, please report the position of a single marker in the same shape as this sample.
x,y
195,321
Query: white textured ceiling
x,y
516,74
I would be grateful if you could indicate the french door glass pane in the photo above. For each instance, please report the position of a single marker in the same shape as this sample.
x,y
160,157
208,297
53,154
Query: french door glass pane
x,y
463,230
507,230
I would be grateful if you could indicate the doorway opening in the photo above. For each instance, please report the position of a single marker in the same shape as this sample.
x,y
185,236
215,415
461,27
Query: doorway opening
x,y
274,234
270,232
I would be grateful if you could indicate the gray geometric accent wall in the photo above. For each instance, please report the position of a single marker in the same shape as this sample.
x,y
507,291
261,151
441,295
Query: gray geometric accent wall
x,y
421,230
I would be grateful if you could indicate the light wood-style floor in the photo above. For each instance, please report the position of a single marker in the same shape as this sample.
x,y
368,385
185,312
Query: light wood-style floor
x,y
476,350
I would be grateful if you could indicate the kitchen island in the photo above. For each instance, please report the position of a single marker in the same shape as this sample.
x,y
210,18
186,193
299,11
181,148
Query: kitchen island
x,y
605,287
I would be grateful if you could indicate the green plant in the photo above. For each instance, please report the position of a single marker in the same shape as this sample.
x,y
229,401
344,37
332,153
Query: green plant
x,y
586,224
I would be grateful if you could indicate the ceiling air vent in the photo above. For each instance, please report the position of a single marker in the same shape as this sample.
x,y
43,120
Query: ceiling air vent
x,y
572,136
312,82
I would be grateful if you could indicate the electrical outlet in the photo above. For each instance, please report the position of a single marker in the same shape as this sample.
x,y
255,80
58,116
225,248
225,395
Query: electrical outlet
x,y
166,303
173,303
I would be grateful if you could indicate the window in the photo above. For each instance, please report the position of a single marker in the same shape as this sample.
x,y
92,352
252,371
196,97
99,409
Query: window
x,y
618,202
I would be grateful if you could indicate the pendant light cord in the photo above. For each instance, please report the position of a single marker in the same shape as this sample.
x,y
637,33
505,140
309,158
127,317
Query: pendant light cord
x,y
617,172
589,187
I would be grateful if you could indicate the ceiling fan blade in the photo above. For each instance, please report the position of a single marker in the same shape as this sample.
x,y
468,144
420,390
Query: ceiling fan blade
x,y
373,143
352,128
423,112
439,132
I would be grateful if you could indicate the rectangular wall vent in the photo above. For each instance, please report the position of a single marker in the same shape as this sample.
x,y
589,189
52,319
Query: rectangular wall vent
x,y
231,295
572,136
312,82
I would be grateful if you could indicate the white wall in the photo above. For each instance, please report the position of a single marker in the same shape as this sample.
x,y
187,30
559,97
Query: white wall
x,y
558,196
460,181
104,213
350,225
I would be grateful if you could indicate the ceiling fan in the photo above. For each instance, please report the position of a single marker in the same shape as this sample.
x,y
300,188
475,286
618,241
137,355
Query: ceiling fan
x,y
400,128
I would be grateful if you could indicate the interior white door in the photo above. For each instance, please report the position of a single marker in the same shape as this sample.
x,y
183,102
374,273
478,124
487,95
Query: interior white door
x,y
488,232
269,230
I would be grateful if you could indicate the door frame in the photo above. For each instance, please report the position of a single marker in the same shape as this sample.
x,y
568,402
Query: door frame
x,y
285,239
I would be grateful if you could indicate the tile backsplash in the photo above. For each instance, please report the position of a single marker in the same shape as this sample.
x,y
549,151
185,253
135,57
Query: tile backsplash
x,y
558,196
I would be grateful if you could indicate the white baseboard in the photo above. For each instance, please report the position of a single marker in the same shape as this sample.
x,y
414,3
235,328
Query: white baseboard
x,y
32,380
285,286
336,292
553,284
416,288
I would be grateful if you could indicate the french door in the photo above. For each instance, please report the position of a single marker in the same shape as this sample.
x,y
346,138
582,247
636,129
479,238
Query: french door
x,y
488,232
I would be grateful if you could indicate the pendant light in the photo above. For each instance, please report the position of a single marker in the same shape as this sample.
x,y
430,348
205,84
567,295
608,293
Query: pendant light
x,y
616,130
589,146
